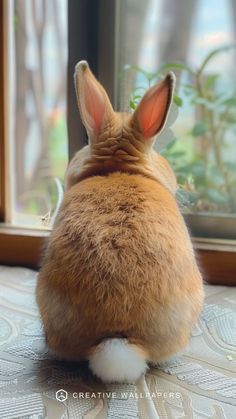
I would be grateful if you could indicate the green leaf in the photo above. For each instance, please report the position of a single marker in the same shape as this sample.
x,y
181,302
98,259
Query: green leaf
x,y
212,54
178,101
149,76
199,129
171,144
132,104
167,151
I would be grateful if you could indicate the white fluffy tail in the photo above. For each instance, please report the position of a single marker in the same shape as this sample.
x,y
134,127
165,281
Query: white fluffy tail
x,y
117,360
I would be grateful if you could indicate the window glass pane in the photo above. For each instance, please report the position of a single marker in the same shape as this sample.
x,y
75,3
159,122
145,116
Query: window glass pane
x,y
37,86
195,39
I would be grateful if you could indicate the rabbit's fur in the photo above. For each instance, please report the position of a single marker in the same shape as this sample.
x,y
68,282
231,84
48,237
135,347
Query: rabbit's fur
x,y
119,263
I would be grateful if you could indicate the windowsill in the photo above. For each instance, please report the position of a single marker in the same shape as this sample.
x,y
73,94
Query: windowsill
x,y
23,230
21,246
218,245
212,225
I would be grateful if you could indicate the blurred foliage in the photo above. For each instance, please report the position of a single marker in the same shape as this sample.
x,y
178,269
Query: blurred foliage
x,y
205,165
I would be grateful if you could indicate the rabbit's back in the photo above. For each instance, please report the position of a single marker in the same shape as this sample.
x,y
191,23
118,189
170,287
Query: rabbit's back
x,y
120,226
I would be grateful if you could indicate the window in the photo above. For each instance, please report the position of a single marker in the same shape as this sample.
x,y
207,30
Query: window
x,y
192,38
37,40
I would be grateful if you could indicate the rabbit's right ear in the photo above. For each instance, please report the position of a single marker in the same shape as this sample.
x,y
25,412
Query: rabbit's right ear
x,y
94,104
151,113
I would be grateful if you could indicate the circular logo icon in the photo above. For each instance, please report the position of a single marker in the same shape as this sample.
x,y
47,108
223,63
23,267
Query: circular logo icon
x,y
61,395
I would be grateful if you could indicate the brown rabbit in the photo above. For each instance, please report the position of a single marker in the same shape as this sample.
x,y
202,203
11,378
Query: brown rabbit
x,y
119,284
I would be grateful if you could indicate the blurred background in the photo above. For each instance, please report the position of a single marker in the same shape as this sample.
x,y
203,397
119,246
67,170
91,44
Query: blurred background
x,y
194,38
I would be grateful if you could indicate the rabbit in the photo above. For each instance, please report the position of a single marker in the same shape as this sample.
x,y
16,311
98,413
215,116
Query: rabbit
x,y
119,285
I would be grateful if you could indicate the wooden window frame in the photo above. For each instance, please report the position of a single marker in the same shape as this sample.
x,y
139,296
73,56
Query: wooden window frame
x,y
87,34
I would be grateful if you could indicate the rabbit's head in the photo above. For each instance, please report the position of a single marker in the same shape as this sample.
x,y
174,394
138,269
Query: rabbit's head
x,y
120,141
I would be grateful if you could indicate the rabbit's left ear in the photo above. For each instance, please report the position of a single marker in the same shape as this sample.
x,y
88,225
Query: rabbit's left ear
x,y
94,105
150,115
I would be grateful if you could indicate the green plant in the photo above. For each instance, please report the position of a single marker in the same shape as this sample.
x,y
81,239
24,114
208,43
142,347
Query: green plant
x,y
205,170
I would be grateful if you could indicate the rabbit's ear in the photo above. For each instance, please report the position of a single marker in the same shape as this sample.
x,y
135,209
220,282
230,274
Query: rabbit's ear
x,y
152,111
94,104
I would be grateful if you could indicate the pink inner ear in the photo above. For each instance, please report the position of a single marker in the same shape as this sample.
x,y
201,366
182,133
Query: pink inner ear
x,y
152,110
94,104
